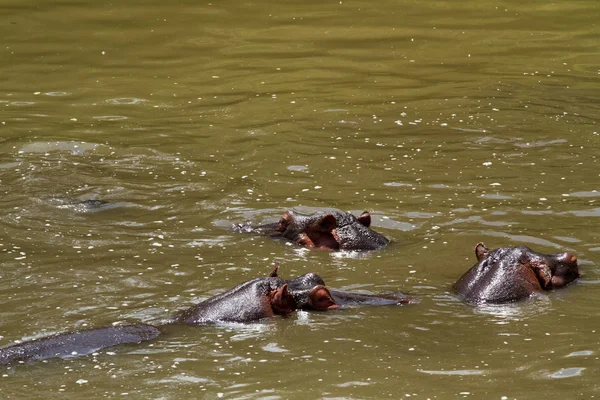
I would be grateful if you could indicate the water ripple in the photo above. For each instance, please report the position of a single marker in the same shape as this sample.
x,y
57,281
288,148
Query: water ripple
x,y
126,101
110,118
454,372
566,373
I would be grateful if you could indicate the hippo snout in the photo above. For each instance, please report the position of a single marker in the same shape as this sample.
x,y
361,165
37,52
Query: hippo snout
x,y
565,269
568,258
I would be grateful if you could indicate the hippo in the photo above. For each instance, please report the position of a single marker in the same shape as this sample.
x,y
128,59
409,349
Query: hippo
x,y
308,291
510,274
249,301
328,230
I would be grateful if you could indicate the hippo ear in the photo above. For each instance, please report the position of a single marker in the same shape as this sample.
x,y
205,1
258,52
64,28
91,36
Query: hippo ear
x,y
365,219
320,299
282,301
286,219
273,272
481,251
326,223
283,291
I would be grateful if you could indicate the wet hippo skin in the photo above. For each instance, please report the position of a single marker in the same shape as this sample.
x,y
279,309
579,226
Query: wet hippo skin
x,y
514,273
77,343
250,301
305,285
328,230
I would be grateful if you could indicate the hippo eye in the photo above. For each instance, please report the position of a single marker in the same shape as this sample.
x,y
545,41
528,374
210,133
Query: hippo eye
x,y
524,259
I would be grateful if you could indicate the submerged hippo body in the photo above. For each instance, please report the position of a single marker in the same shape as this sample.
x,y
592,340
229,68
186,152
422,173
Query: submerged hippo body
x,y
510,274
77,343
330,230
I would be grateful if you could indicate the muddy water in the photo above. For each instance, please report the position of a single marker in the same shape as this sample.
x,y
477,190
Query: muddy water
x,y
452,123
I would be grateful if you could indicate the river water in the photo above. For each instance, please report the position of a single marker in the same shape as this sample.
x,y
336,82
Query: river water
x,y
452,122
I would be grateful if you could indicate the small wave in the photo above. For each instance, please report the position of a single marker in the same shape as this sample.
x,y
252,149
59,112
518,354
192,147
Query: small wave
x,y
126,101
57,94
110,118
453,372
566,373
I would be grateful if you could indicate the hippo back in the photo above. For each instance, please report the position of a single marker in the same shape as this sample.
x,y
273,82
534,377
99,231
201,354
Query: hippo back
x,y
246,302
77,342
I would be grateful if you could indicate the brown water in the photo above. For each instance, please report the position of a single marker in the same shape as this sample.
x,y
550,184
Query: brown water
x,y
453,123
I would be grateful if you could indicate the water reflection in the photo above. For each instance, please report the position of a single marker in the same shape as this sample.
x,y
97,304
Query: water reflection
x,y
592,193
454,372
75,148
566,373
110,118
56,94
525,239
274,348
126,101
594,212
581,353
535,307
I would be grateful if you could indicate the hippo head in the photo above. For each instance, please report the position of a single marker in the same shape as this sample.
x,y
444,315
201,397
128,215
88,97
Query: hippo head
x,y
552,270
510,274
309,292
282,301
564,268
334,230
317,298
